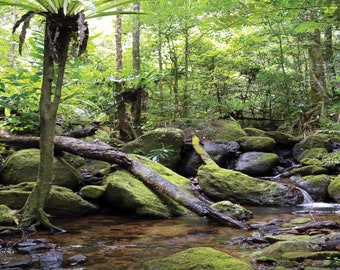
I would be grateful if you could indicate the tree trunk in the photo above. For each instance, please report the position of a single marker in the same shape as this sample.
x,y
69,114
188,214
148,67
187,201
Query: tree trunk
x,y
155,181
119,47
33,210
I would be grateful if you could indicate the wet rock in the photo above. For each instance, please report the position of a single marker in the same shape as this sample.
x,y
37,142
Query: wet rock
x,y
32,245
22,264
223,184
233,210
256,163
316,186
167,138
60,202
76,259
23,166
198,258
257,143
51,260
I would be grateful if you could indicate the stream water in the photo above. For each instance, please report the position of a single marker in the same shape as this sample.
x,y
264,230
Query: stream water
x,y
112,242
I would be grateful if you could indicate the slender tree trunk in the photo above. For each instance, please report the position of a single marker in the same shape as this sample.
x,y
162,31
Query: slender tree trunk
x,y
119,46
186,75
33,210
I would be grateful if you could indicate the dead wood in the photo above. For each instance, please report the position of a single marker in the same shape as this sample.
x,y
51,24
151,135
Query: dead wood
x,y
110,154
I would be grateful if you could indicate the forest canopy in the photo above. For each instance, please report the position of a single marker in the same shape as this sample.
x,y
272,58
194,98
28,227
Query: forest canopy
x,y
268,63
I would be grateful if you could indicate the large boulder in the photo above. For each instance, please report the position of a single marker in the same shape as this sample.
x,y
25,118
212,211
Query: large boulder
x,y
197,258
256,163
23,166
125,193
223,184
226,130
61,201
257,143
163,144
282,138
331,161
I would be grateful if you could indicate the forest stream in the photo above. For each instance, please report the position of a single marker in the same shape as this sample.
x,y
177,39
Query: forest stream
x,y
113,242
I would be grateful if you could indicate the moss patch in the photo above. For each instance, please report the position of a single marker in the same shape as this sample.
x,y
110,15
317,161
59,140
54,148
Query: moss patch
x,y
198,259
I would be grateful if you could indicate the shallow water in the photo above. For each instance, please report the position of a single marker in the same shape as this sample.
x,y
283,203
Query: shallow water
x,y
111,242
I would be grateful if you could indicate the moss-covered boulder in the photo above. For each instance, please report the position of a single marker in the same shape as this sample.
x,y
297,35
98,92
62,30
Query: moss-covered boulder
x,y
331,161
197,258
256,163
163,144
282,138
257,143
316,186
313,141
60,202
226,130
334,189
92,192
127,194
250,131
6,217
223,184
309,170
316,153
235,211
23,166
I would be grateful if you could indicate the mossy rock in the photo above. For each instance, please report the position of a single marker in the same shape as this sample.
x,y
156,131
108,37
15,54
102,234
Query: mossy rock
x,y
126,193
250,131
226,130
282,138
316,153
223,184
197,258
316,186
311,161
235,211
257,143
6,217
314,141
23,166
309,170
96,167
334,189
153,143
331,161
92,192
60,202
256,163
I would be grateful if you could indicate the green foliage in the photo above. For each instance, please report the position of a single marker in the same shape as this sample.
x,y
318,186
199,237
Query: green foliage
x,y
159,154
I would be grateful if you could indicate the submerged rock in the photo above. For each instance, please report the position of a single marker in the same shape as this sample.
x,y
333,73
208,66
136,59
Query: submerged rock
x,y
223,184
197,258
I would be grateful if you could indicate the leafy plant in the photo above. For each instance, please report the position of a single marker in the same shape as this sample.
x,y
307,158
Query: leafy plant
x,y
159,154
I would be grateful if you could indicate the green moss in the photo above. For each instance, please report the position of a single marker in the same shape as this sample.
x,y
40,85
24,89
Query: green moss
x,y
282,137
254,131
257,143
309,170
331,161
334,189
226,130
123,191
197,258
223,184
316,153
92,192
234,210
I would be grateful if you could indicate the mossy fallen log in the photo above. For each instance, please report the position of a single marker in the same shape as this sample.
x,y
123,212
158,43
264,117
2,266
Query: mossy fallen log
x,y
154,180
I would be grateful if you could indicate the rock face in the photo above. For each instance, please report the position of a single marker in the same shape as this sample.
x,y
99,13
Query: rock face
x,y
256,163
223,184
61,201
23,166
197,258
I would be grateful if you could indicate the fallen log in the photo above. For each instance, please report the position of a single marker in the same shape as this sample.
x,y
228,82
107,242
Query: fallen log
x,y
110,154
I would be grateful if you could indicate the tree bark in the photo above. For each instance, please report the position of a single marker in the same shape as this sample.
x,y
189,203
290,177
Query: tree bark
x,y
153,180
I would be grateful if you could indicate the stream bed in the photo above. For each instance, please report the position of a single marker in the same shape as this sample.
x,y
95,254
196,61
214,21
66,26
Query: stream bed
x,y
115,242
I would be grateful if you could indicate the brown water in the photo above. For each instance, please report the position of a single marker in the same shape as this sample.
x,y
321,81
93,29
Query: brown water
x,y
111,242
